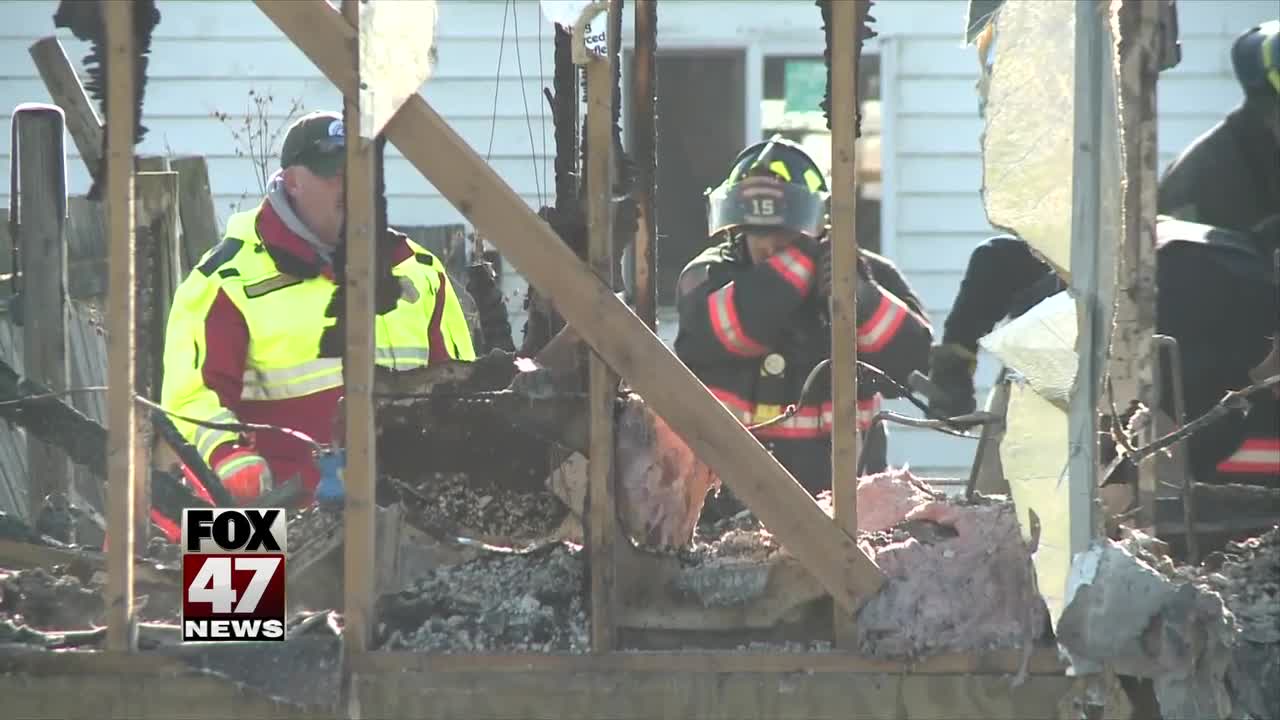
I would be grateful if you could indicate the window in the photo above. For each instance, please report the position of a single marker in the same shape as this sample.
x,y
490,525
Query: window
x,y
793,89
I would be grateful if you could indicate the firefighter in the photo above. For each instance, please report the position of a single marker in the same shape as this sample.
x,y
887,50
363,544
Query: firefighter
x,y
754,318
1228,178
1216,295
256,331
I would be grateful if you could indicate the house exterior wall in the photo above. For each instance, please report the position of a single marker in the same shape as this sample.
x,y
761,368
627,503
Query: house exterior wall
x,y
208,54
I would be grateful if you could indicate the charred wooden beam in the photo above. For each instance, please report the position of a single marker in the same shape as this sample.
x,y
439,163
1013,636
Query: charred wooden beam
x,y
41,413
502,435
38,209
644,141
566,216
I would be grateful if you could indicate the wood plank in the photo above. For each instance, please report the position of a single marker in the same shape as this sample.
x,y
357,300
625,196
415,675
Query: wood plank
x,y
1133,354
602,509
739,696
924,173
15,554
188,127
42,247
187,135
604,322
123,452
200,228
1044,661
262,60
156,223
929,133
644,151
13,445
693,685
359,554
925,213
64,86
6,250
87,250
157,218
140,696
846,17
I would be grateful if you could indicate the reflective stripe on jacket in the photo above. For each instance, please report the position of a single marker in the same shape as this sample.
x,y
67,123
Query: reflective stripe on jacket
x,y
252,329
1255,456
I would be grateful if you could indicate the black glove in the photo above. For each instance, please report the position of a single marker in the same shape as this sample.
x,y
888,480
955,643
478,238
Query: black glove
x,y
951,369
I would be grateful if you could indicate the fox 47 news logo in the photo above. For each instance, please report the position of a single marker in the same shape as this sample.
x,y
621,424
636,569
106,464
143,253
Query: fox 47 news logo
x,y
233,574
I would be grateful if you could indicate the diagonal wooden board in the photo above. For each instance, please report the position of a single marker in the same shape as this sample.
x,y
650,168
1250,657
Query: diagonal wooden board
x,y
612,330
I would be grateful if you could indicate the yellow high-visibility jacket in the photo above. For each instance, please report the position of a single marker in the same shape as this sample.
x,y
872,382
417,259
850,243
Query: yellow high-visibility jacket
x,y
254,336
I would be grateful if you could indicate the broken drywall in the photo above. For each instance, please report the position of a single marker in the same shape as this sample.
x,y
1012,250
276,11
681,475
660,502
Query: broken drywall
x,y
1135,613
1027,152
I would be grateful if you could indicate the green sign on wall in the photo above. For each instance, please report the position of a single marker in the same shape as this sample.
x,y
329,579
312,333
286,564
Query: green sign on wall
x,y
805,84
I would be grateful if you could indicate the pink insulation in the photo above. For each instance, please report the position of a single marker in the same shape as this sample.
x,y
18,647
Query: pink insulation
x,y
885,499
960,576
661,484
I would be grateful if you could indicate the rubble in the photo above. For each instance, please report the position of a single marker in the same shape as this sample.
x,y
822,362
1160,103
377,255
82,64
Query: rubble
x,y
509,602
305,670
453,500
728,563
1247,576
309,525
57,598
45,600
884,501
942,582
740,538
1135,611
959,574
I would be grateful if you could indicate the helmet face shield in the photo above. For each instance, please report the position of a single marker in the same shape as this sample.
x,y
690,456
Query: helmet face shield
x,y
766,202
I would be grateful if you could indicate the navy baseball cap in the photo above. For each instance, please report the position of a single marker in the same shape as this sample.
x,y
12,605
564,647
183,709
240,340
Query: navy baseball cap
x,y
316,141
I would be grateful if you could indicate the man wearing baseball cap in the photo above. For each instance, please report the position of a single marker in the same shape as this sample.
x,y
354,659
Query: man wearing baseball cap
x,y
256,331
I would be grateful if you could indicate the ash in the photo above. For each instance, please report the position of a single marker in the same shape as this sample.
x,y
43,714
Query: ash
x,y
309,524
49,599
531,602
1247,576
38,603
790,646
483,508
304,526
161,550
737,539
